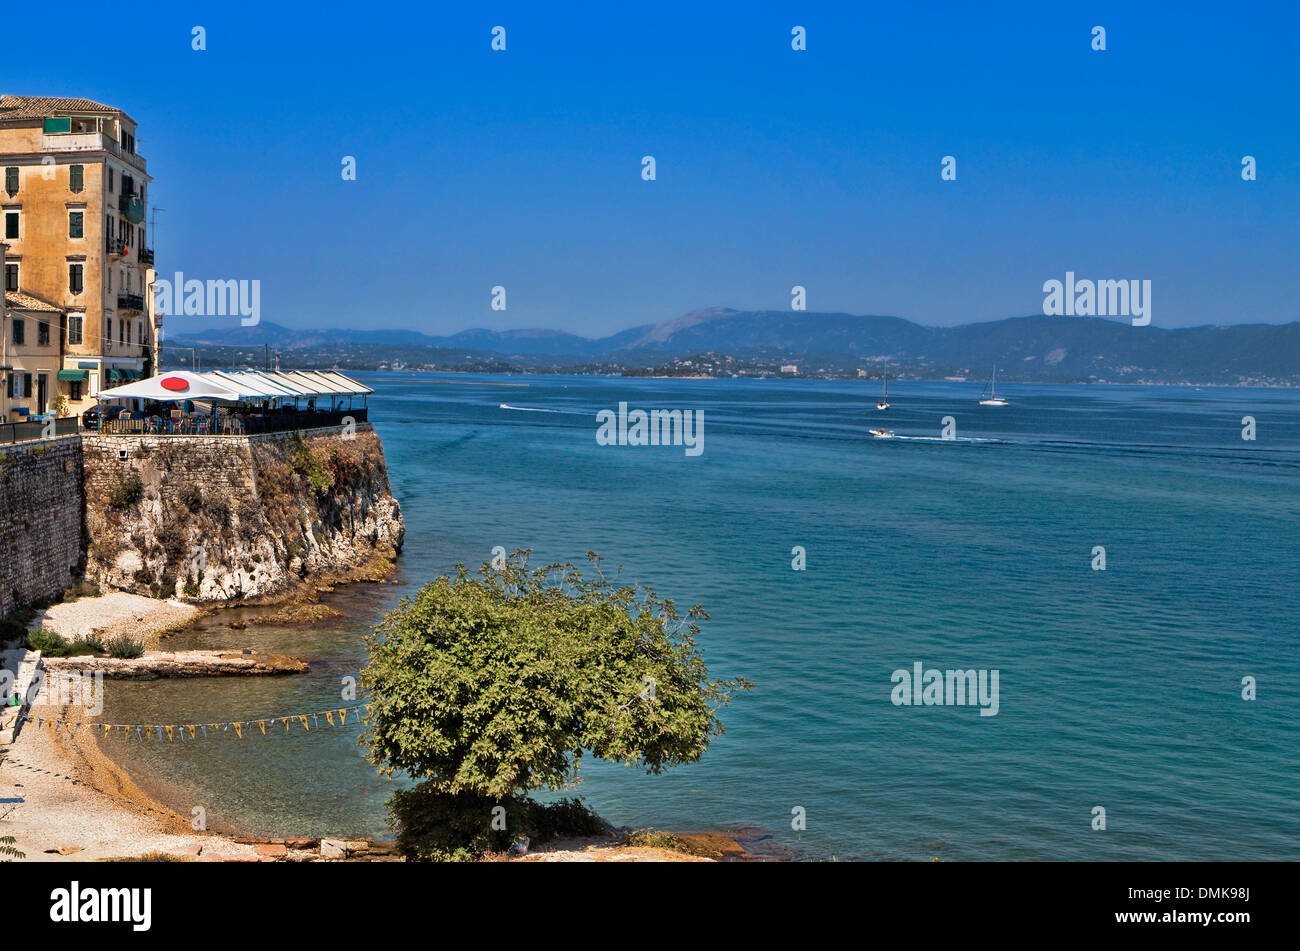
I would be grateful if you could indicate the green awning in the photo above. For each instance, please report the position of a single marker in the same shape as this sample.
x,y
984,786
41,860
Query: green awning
x,y
74,376
58,124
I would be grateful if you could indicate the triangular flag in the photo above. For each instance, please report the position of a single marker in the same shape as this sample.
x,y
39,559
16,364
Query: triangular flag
x,y
238,732
302,718
262,724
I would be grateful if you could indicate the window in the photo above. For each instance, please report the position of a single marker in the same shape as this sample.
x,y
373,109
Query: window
x,y
110,178
19,333
76,224
121,331
27,386
11,224
20,386
11,277
74,390
11,180
76,323
76,177
108,330
43,333
76,278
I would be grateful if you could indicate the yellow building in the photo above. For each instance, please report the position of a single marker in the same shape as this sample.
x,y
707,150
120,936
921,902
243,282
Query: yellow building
x,y
73,200
31,355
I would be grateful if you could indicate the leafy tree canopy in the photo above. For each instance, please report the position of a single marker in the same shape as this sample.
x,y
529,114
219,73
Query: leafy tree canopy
x,y
499,683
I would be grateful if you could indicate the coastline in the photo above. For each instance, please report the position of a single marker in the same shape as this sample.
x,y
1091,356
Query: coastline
x,y
81,806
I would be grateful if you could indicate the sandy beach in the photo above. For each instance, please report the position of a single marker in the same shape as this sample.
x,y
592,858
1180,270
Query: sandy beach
x,y
117,612
79,806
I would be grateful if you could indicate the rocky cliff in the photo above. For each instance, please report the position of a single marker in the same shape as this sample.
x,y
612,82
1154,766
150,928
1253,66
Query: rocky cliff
x,y
223,519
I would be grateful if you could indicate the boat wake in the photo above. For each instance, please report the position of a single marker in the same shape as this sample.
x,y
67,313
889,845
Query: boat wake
x,y
527,409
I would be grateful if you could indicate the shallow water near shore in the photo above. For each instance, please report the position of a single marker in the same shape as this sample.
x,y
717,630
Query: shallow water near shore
x,y
1119,688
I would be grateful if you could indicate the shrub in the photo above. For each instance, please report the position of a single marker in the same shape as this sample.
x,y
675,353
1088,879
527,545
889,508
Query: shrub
x,y
47,642
165,588
126,491
191,497
124,646
9,849
90,644
434,826
486,688
308,461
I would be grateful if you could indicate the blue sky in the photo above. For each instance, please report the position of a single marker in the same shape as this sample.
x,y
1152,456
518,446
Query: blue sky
x,y
822,168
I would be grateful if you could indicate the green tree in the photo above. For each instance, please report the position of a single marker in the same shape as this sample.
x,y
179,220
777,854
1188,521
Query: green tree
x,y
486,687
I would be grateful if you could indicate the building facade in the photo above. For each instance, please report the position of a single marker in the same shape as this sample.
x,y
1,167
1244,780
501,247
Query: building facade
x,y
73,200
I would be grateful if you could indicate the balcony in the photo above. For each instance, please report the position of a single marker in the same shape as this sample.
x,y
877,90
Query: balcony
x,y
132,207
146,256
88,142
130,302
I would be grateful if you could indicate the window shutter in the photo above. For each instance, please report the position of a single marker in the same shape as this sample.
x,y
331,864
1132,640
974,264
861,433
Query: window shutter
x,y
77,177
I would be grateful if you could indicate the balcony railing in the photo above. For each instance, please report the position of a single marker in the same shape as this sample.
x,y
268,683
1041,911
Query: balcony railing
x,y
132,207
130,302
36,429
146,256
88,141
233,424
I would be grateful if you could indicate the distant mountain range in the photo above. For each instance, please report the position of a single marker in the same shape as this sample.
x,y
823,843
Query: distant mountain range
x,y
1035,347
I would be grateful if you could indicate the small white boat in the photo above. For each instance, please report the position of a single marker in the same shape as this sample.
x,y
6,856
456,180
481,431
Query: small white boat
x,y
884,400
881,434
990,395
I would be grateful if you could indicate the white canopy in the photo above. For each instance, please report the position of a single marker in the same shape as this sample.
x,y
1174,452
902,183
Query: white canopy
x,y
177,385
235,385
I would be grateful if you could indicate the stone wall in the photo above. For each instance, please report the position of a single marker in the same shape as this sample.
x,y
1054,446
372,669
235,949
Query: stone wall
x,y
40,520
233,518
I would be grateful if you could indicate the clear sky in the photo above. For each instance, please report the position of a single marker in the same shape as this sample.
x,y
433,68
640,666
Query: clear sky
x,y
522,168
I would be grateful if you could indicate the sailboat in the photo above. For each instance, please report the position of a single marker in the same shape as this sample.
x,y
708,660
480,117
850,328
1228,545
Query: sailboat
x,y
992,398
884,400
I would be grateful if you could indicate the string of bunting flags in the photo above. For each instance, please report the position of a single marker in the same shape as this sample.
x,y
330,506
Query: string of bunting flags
x,y
337,716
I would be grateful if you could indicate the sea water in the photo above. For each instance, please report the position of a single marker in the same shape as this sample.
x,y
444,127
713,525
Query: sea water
x,y
1119,688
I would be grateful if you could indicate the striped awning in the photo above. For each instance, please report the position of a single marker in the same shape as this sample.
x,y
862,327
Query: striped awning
x,y
247,384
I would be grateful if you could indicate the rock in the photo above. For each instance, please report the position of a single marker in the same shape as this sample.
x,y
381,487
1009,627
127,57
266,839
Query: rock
x,y
152,665
711,844
333,849
271,850
302,843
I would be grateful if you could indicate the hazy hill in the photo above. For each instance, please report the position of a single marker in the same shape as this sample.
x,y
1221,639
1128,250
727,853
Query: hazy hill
x,y
1035,347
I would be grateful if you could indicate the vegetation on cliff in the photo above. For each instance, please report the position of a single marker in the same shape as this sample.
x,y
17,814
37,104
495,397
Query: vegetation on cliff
x,y
179,517
486,688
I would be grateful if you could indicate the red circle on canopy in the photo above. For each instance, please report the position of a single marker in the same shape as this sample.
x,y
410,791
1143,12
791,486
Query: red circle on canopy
x,y
175,383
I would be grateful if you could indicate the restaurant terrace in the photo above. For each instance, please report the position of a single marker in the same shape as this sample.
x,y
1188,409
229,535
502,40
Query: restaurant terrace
x,y
230,403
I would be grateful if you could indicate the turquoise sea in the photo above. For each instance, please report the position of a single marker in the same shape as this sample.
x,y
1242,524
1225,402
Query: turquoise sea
x,y
1119,688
